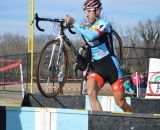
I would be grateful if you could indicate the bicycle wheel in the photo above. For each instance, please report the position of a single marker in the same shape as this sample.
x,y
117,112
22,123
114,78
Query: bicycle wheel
x,y
118,46
83,88
48,81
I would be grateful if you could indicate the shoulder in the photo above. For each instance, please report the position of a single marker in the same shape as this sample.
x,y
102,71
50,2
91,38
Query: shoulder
x,y
103,24
103,21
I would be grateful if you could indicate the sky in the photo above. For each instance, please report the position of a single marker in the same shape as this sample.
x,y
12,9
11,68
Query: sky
x,y
122,13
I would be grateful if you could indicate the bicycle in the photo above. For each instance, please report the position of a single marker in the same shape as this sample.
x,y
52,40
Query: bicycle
x,y
54,55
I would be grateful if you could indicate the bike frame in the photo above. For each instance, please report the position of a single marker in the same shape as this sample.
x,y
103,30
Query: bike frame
x,y
62,38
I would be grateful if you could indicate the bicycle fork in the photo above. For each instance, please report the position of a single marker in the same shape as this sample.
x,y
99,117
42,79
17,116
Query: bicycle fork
x,y
59,53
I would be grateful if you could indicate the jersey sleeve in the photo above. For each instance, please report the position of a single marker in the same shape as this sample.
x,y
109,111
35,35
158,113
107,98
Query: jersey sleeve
x,y
95,32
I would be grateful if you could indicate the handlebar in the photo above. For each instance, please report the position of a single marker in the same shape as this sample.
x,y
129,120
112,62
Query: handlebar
x,y
69,29
62,23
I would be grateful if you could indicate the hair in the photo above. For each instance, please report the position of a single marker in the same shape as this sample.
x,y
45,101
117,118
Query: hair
x,y
128,79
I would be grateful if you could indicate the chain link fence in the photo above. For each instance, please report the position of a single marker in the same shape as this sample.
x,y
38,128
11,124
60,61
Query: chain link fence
x,y
134,60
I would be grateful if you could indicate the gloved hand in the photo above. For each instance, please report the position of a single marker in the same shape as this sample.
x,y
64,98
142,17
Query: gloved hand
x,y
81,50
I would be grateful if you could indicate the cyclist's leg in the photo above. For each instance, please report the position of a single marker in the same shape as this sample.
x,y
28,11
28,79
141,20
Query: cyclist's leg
x,y
94,83
116,81
119,95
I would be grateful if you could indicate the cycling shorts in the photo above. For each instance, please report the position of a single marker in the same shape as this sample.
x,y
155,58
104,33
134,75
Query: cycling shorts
x,y
106,69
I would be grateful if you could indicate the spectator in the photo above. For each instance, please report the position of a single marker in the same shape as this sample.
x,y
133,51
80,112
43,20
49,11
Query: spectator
x,y
143,85
146,76
128,87
136,81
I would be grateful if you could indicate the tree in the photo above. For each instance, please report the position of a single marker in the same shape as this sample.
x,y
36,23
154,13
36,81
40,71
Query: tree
x,y
13,44
145,35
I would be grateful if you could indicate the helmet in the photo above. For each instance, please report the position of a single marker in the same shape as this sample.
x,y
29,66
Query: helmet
x,y
90,4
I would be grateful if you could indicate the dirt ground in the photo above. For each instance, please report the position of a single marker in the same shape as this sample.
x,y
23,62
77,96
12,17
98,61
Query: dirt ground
x,y
12,95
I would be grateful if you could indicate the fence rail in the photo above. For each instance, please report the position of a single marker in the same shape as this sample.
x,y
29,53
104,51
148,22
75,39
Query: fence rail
x,y
136,58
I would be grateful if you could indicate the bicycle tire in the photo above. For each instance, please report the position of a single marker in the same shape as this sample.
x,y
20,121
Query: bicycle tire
x,y
83,87
47,78
116,35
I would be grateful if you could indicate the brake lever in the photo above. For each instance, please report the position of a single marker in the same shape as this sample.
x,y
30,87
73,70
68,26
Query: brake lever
x,y
37,20
70,30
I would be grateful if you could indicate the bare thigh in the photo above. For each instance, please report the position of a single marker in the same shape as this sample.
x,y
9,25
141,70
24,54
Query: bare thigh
x,y
92,86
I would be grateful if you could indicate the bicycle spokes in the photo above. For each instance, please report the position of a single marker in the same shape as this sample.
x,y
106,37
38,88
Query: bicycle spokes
x,y
52,70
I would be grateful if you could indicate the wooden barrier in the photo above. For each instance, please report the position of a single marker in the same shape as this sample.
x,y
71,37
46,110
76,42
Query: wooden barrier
x,y
36,118
82,102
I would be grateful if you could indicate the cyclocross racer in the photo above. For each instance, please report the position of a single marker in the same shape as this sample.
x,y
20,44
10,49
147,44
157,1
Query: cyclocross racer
x,y
105,66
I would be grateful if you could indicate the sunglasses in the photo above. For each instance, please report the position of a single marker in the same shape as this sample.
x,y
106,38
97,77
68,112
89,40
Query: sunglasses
x,y
89,10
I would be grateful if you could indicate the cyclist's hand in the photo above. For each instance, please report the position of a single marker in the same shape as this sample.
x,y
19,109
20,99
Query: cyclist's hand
x,y
69,20
81,50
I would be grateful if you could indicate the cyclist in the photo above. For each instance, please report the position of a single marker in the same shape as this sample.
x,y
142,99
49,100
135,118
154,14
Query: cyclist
x,y
105,66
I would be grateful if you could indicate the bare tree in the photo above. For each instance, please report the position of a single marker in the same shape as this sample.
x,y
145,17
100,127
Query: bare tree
x,y
13,44
144,35
150,34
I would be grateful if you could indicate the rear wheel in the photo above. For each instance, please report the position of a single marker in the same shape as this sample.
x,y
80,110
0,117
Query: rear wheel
x,y
51,76
118,46
83,89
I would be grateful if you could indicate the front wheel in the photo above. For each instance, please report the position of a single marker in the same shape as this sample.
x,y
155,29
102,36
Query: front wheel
x,y
83,88
51,72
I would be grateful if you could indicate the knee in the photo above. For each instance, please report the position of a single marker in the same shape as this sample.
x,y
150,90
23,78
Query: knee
x,y
91,93
91,90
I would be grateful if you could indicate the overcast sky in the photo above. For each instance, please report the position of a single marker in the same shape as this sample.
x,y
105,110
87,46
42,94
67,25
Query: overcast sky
x,y
14,13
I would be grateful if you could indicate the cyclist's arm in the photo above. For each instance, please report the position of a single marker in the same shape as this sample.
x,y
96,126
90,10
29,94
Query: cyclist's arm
x,y
91,35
